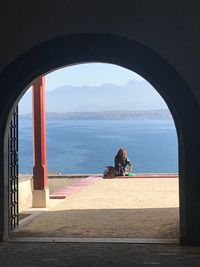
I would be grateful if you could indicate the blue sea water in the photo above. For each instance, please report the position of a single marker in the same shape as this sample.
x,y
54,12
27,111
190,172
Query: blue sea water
x,y
84,146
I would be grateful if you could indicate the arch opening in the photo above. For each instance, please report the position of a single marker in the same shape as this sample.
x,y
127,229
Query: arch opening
x,y
140,135
113,94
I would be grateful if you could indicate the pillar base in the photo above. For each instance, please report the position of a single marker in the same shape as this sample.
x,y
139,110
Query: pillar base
x,y
41,198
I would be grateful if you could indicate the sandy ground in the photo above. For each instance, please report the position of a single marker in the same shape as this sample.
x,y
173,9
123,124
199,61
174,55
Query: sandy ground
x,y
113,208
57,183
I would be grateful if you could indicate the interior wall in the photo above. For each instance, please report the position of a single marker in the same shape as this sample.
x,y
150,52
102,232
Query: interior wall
x,y
170,28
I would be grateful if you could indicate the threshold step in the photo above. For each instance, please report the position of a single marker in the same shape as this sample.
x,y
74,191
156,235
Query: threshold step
x,y
57,197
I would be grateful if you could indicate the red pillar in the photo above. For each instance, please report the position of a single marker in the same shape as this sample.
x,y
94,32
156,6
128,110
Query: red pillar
x,y
40,179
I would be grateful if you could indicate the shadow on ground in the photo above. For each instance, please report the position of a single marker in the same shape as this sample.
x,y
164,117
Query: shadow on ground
x,y
133,223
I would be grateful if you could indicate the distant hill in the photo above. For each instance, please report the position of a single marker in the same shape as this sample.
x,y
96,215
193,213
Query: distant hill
x,y
107,115
135,95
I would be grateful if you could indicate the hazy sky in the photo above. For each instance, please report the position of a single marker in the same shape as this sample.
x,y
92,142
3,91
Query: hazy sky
x,y
93,74
141,96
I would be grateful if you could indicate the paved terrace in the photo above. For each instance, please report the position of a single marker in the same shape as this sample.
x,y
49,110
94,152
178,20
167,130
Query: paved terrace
x,y
118,195
144,206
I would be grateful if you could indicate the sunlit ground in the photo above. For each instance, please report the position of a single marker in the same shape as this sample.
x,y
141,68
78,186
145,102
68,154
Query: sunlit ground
x,y
146,208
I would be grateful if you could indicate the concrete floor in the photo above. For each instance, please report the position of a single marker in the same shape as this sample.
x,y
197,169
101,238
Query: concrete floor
x,y
97,255
40,254
98,208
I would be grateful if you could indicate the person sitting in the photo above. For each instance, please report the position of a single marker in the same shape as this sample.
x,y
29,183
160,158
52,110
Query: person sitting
x,y
122,162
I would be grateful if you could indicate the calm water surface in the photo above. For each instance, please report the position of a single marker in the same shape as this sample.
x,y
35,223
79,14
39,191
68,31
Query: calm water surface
x,y
88,146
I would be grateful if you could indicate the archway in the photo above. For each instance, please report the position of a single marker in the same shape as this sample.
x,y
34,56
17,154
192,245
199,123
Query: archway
x,y
131,55
85,145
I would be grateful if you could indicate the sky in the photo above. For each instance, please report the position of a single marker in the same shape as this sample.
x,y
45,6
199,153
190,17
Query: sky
x,y
141,96
92,74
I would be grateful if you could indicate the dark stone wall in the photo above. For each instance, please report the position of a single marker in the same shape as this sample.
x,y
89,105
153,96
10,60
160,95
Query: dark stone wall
x,y
170,28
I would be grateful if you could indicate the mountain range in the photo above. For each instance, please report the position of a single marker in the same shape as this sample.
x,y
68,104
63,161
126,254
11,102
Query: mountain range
x,y
135,95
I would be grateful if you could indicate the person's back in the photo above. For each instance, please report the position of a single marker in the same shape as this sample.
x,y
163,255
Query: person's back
x,y
121,161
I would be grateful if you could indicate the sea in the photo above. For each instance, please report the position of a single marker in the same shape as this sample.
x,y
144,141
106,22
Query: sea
x,y
87,146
